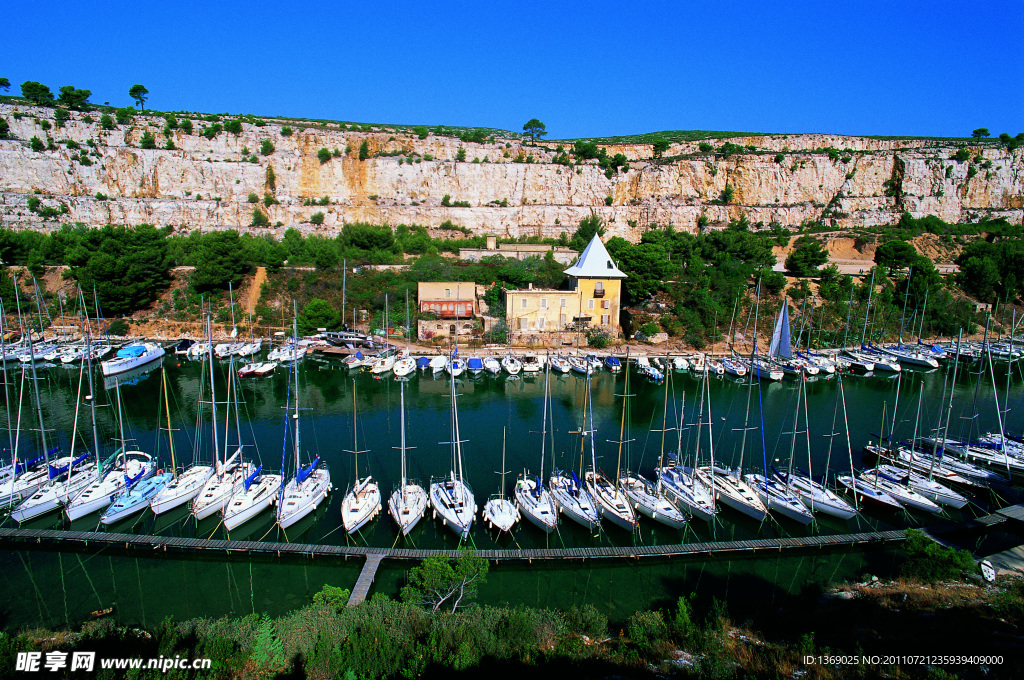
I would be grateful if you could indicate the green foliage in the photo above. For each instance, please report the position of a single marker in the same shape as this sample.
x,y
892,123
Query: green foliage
x,y
266,147
269,200
442,583
773,281
106,122
962,154
99,196
211,131
119,328
5,84
147,141
608,200
140,94
460,155
586,620
421,131
316,314
186,126
259,219
268,650
329,595
253,198
218,261
37,93
124,116
806,257
37,144
324,155
364,150
234,126
74,98
659,147
895,255
931,562
981,132
60,116
727,193
589,226
534,129
649,632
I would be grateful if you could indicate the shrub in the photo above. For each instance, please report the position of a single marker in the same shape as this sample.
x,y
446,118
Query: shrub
x,y
779,157
170,145
324,200
266,147
118,327
324,155
60,116
447,200
106,122
259,219
124,115
4,128
37,144
271,178
460,155
186,126
100,196
728,193
421,131
961,155
234,126
608,200
211,131
364,150
316,218
929,561
269,200
705,147
147,141
648,631
253,198
286,131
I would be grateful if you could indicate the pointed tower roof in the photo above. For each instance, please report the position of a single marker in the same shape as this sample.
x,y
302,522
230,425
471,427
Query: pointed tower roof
x,y
595,263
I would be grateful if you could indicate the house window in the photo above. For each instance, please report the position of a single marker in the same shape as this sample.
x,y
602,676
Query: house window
x,y
562,305
447,292
561,319
599,285
524,303
590,303
604,319
524,323
607,304
543,303
540,323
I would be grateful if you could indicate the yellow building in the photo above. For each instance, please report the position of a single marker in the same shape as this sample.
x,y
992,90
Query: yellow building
x,y
593,298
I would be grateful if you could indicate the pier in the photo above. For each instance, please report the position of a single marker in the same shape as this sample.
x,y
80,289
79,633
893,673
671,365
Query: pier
x,y
150,546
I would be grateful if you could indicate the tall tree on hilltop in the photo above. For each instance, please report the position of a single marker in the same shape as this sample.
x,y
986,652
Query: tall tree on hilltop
x,y
534,129
37,93
139,93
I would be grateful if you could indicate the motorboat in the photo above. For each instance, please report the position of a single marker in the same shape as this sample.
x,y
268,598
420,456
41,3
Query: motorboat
x,y
133,356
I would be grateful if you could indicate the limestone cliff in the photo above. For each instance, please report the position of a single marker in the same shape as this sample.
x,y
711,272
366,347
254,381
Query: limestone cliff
x,y
206,183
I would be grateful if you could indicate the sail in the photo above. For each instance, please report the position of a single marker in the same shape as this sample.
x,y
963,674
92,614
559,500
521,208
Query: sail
x,y
22,467
781,346
306,472
130,481
251,478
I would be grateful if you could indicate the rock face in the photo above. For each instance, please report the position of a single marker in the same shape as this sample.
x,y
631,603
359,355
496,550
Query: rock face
x,y
207,183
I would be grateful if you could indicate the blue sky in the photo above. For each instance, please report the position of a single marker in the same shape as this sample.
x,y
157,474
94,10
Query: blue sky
x,y
586,69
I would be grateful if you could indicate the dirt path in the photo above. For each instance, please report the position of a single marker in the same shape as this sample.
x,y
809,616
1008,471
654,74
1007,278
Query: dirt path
x,y
254,286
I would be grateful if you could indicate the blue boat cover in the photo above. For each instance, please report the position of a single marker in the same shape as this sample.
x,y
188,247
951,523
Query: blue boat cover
x,y
422,362
251,478
304,473
130,481
57,472
131,352
21,467
575,484
612,361
475,363
538,489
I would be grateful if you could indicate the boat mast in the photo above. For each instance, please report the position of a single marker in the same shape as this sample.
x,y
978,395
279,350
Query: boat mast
x,y
544,425
402,403
344,282
213,400
977,385
90,397
917,423
903,317
35,389
999,414
867,309
167,409
622,427
754,367
3,367
458,444
295,340
792,441
849,447
952,391
593,446
664,429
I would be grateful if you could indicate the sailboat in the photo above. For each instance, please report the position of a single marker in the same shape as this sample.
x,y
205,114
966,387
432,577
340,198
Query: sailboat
x,y
137,494
228,473
499,512
780,352
362,503
611,500
252,491
531,497
647,497
569,494
312,483
450,497
408,503
406,365
60,491
680,484
775,493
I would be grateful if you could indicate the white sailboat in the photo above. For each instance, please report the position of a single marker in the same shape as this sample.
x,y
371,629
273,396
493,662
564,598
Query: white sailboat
x,y
532,498
408,503
499,512
611,500
311,484
450,497
569,493
362,503
647,496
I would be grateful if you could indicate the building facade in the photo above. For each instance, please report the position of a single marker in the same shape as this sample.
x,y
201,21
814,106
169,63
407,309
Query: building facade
x,y
593,298
448,299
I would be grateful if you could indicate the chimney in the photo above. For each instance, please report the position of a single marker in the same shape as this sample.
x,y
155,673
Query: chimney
x,y
492,243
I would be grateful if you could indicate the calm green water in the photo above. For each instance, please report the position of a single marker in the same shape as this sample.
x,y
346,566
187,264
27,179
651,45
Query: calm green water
x,y
44,587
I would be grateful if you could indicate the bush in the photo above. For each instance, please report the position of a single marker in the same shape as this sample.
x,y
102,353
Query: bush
x,y
608,200
460,155
324,155
421,131
728,193
37,144
648,631
266,147
124,115
234,126
259,219
929,561
147,141
60,116
211,131
118,327
186,126
253,198
286,131
364,150
269,200
316,218
100,196
106,122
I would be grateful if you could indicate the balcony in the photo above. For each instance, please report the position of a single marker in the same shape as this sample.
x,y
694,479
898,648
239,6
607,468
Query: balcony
x,y
599,292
